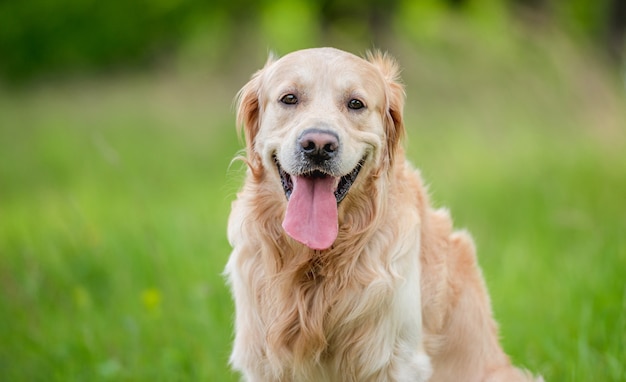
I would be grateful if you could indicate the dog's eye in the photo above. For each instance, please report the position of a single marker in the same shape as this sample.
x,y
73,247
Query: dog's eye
x,y
355,104
289,99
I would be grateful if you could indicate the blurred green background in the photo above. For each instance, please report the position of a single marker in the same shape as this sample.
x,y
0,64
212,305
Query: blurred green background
x,y
117,133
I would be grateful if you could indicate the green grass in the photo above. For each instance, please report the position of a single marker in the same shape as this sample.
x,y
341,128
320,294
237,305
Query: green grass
x,y
114,196
112,236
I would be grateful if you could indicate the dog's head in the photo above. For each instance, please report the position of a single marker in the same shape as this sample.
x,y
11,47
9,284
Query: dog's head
x,y
317,122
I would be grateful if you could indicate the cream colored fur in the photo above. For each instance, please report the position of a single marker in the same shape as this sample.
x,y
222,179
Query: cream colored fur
x,y
399,295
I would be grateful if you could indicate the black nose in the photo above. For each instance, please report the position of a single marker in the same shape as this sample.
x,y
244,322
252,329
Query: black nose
x,y
319,145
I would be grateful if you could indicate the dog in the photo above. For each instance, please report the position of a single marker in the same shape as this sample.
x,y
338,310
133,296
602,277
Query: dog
x,y
341,270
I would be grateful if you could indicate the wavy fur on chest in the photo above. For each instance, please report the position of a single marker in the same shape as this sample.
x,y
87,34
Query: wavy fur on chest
x,y
324,309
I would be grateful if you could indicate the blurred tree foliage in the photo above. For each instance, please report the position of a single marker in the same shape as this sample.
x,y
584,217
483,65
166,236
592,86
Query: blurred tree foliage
x,y
39,37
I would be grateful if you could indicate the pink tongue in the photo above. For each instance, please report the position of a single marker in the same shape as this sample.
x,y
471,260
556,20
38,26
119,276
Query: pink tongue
x,y
311,216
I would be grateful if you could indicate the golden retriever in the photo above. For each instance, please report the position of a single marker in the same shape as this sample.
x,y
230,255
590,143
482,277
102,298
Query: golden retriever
x,y
341,270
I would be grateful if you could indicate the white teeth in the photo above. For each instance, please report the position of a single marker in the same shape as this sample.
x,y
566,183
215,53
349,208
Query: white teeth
x,y
342,184
346,182
285,179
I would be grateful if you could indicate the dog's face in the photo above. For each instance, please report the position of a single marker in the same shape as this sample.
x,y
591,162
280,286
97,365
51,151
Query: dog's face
x,y
316,122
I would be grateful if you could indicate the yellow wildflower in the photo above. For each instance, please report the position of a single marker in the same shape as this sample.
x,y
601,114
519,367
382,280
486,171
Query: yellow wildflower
x,y
151,299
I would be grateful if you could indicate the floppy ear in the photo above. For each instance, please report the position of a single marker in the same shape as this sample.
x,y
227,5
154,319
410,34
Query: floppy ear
x,y
395,96
249,110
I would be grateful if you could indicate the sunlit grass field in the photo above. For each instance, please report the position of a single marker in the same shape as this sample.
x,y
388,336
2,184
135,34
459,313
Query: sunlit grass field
x,y
114,196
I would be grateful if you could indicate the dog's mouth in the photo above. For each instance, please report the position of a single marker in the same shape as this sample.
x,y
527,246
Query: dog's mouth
x,y
312,204
343,183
